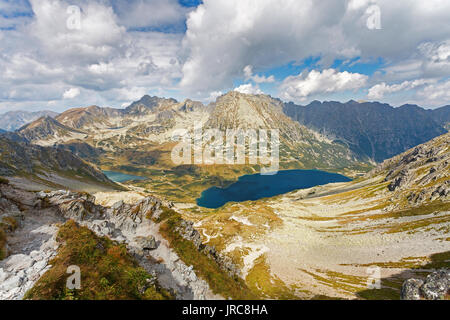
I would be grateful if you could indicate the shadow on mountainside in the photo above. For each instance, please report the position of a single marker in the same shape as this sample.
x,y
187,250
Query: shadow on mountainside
x,y
391,286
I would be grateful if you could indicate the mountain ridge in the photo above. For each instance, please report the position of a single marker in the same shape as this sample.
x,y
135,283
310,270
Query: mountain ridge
x,y
374,129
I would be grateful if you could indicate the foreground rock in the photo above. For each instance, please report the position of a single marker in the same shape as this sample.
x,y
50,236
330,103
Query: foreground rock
x,y
435,287
33,245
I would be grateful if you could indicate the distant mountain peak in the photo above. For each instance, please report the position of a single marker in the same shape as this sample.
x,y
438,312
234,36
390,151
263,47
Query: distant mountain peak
x,y
13,120
46,129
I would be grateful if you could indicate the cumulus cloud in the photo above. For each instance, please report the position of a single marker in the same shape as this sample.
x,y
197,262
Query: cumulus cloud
x,y
249,89
248,72
142,46
214,95
103,58
436,94
298,88
224,36
380,90
71,93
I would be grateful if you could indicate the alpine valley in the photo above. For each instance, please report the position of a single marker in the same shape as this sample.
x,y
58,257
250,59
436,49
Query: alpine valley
x,y
146,237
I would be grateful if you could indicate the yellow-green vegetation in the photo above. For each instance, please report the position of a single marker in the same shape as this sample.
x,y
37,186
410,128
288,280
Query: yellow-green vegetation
x,y
260,279
2,244
205,267
108,272
415,267
428,209
7,224
4,180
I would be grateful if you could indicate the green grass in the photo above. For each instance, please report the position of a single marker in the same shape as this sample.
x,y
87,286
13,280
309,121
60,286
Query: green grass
x,y
108,272
206,268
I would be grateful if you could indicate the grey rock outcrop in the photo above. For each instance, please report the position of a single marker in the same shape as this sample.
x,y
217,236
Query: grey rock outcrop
x,y
411,289
435,287
187,231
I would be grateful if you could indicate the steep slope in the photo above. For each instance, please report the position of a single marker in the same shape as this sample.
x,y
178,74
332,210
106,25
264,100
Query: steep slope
x,y
137,250
148,104
372,129
88,118
13,120
441,116
49,166
298,144
324,240
47,131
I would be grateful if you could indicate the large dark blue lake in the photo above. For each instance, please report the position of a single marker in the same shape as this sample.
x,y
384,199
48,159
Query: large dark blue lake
x,y
254,187
121,177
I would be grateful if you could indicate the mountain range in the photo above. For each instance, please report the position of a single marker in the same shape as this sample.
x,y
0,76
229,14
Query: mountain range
x,y
141,134
378,131
371,130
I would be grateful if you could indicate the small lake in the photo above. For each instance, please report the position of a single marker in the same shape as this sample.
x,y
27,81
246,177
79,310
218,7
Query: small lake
x,y
254,187
121,177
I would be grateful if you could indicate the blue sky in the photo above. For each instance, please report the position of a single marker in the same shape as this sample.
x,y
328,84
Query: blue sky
x,y
295,50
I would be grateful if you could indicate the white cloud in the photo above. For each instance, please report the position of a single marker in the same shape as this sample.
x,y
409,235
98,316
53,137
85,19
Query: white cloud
x,y
298,88
249,89
71,93
103,58
248,72
214,95
225,36
225,41
437,94
380,90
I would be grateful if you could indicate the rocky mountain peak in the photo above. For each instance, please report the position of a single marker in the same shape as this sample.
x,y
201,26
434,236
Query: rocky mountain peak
x,y
147,104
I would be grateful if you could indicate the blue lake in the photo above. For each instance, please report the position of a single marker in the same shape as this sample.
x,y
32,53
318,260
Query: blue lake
x,y
121,177
254,187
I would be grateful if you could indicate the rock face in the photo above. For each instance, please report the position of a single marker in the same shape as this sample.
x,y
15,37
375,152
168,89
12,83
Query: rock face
x,y
34,244
146,243
187,231
435,287
421,173
46,128
372,129
17,157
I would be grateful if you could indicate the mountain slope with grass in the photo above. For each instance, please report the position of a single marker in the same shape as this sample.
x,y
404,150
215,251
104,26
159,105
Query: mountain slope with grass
x,y
48,131
48,167
320,242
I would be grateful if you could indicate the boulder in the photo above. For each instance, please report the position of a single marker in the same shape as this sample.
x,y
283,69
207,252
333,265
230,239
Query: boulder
x,y
436,285
146,243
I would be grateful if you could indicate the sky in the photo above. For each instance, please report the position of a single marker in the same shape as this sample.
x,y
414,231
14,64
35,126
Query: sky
x,y
58,54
